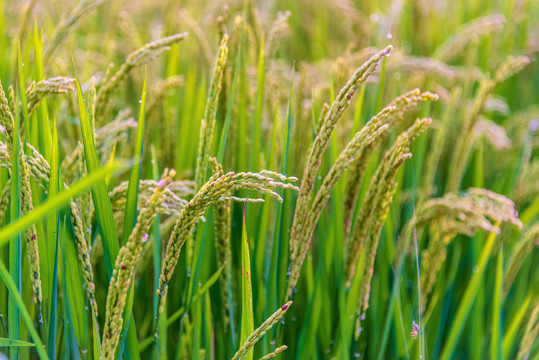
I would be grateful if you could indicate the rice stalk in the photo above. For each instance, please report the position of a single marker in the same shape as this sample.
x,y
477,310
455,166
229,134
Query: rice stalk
x,y
359,147
208,122
464,141
374,210
299,244
124,269
390,115
138,57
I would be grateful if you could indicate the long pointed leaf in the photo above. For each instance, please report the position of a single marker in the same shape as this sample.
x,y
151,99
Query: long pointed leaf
x,y
100,195
11,342
14,292
247,320
53,204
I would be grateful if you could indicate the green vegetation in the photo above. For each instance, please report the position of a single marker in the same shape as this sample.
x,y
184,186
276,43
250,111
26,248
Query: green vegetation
x,y
249,180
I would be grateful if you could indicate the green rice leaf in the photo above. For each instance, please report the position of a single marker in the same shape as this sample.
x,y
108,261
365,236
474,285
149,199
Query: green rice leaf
x,y
14,292
11,342
130,216
467,300
100,195
53,227
55,203
247,320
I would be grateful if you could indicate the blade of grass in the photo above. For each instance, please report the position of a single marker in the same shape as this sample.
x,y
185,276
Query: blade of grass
x,y
497,327
14,343
52,238
467,300
514,326
14,292
63,197
171,319
70,341
51,349
130,215
100,195
247,321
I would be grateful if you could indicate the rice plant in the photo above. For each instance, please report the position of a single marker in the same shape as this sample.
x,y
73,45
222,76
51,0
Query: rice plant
x,y
250,180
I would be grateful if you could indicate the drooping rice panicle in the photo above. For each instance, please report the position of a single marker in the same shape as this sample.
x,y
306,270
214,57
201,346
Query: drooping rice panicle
x,y
277,30
261,330
159,91
389,115
61,30
439,141
211,192
476,209
361,142
36,91
4,200
374,210
433,68
527,186
201,36
468,32
274,353
124,268
523,248
30,235
172,197
222,226
464,141
208,122
298,246
468,212
136,58
530,333
129,29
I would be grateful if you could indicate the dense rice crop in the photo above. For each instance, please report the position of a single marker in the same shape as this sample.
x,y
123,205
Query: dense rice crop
x,y
238,180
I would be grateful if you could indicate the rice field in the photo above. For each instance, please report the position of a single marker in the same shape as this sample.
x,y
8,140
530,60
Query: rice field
x,y
249,180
